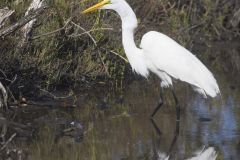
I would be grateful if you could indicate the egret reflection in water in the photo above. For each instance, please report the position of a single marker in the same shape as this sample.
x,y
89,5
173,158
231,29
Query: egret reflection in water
x,y
204,154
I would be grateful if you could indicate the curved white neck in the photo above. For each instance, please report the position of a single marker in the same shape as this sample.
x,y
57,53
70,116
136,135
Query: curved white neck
x,y
128,42
135,55
129,24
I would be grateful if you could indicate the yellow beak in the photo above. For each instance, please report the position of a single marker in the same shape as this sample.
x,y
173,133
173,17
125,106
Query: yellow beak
x,y
96,6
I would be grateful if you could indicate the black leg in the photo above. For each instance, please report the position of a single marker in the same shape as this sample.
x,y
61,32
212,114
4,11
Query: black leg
x,y
160,103
177,105
174,140
156,127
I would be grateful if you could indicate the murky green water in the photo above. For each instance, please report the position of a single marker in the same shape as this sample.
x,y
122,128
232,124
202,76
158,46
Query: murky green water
x,y
118,127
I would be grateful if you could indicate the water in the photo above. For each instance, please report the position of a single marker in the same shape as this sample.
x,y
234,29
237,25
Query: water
x,y
117,125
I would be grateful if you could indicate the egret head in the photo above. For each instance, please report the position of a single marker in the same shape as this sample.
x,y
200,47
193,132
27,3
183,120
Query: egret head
x,y
120,6
105,4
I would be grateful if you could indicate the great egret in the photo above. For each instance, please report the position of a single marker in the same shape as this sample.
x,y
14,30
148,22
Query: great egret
x,y
161,55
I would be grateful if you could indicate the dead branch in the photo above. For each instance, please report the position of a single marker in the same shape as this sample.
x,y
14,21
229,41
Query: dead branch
x,y
236,18
5,13
52,32
12,124
22,21
95,43
54,96
20,129
4,96
8,141
3,132
17,2
87,32
117,54
27,28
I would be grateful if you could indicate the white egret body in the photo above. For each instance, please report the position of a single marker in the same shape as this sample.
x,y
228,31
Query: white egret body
x,y
160,54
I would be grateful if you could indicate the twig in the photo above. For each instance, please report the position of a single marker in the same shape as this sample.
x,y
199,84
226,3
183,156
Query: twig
x,y
94,41
119,56
37,106
6,79
5,13
12,124
115,53
8,141
3,133
86,32
236,18
194,26
22,22
3,73
13,80
104,66
48,34
4,95
52,32
53,96
27,28
11,94
8,91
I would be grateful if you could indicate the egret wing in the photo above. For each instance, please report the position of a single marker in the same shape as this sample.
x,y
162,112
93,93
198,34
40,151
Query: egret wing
x,y
165,54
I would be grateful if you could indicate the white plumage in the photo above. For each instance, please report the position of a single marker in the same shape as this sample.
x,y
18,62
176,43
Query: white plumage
x,y
167,59
160,54
206,154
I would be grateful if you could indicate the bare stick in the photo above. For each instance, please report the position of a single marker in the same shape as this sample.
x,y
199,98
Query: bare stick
x,y
95,43
4,95
236,18
27,28
115,53
105,67
3,73
53,96
5,13
8,141
22,21
52,32
4,132
87,32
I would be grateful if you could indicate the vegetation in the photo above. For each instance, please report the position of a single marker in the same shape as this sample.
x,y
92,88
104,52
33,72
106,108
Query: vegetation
x,y
67,48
